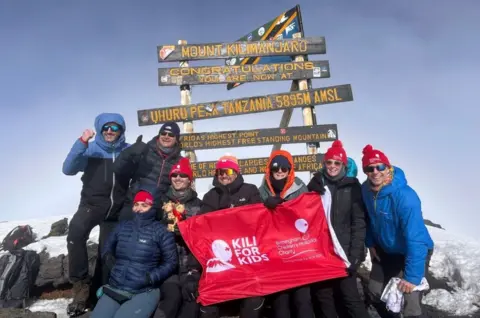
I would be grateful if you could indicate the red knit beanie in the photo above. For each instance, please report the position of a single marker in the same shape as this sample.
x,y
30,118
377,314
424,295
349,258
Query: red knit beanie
x,y
143,196
336,152
228,162
373,156
182,166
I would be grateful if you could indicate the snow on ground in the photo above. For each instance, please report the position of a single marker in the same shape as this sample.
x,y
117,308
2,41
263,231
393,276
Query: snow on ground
x,y
455,259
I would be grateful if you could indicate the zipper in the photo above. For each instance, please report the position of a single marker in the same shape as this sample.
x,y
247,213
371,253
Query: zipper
x,y
161,171
113,186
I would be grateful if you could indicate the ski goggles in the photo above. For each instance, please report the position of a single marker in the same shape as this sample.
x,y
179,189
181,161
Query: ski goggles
x,y
333,163
221,172
381,167
113,128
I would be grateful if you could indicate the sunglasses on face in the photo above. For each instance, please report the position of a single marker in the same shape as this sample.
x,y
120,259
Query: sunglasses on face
x,y
113,128
167,133
333,162
279,169
181,175
380,168
221,172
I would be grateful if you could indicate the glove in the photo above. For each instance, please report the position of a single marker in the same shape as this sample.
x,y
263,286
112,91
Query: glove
x,y
148,279
354,265
109,261
138,148
316,184
190,286
272,202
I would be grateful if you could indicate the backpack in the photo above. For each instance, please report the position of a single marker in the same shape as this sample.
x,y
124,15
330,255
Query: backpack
x,y
18,272
18,238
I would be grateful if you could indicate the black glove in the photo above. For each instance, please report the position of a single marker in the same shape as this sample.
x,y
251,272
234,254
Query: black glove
x,y
138,148
109,261
272,202
354,265
190,286
148,279
316,184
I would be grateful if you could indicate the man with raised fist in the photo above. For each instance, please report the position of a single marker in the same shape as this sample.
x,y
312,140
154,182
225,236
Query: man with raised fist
x,y
102,194
149,164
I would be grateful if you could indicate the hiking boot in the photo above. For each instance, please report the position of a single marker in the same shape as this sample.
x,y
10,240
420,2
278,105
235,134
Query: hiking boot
x,y
81,292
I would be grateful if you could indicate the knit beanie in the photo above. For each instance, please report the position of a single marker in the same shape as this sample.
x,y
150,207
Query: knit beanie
x,y
182,166
280,161
336,152
373,156
228,161
143,196
172,127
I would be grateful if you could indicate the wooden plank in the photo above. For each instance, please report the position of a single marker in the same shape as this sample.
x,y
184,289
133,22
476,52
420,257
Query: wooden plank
x,y
258,137
243,73
206,169
241,49
248,105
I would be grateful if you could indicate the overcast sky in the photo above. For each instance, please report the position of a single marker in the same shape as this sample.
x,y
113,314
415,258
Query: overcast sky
x,y
413,67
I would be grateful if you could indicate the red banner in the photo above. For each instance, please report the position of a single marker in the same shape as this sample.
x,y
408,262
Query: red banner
x,y
252,251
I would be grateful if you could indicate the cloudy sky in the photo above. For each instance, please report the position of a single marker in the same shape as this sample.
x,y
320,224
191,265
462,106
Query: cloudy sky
x,y
413,67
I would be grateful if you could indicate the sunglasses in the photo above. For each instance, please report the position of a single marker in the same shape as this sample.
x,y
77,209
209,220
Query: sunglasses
x,y
113,128
279,169
221,172
380,168
181,175
333,162
167,133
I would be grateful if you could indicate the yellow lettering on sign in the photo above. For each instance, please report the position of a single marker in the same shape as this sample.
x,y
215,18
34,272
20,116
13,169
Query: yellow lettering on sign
x,y
326,95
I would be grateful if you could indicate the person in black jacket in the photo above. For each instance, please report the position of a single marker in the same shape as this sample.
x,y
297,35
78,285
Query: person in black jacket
x,y
149,164
179,291
231,191
141,255
348,220
102,195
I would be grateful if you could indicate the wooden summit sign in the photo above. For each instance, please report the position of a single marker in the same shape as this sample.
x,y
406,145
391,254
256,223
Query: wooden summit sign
x,y
243,73
206,169
258,137
247,105
241,49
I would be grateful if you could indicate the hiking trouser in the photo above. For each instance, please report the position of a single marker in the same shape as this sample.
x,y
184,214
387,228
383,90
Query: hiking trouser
x,y
302,303
249,308
82,223
393,265
171,299
340,291
140,306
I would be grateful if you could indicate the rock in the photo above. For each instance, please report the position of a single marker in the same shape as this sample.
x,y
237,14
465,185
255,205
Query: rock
x,y
430,223
25,313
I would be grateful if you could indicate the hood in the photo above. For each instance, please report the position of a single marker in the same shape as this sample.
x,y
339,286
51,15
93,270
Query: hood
x,y
398,181
352,170
290,177
101,120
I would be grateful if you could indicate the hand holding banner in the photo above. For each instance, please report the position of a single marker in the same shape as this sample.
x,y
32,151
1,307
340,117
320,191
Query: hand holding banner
x,y
251,251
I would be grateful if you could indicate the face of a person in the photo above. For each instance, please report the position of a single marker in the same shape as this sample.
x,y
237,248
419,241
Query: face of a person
x,y
279,173
180,181
111,131
226,176
141,207
333,167
377,174
167,139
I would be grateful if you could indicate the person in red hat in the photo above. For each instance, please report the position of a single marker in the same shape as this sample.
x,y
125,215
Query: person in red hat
x,y
180,203
348,221
140,254
230,191
397,238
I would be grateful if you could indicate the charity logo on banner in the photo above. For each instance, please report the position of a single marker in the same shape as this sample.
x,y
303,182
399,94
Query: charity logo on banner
x,y
251,251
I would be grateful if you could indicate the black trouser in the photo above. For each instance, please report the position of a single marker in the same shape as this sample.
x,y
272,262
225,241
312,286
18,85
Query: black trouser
x,y
393,265
346,290
298,297
126,212
82,223
249,308
170,298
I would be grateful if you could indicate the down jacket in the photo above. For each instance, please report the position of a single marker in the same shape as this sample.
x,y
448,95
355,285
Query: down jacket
x,y
141,246
395,224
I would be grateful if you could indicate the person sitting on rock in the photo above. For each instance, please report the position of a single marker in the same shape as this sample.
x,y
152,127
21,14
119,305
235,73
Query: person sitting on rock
x,y
279,185
141,254
179,291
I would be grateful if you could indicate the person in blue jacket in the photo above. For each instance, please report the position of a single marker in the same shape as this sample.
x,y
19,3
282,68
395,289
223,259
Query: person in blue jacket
x,y
397,238
141,254
352,170
102,194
